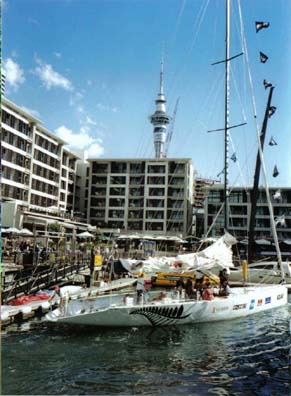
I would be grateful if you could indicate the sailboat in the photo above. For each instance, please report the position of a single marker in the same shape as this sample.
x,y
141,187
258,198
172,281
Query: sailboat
x,y
125,310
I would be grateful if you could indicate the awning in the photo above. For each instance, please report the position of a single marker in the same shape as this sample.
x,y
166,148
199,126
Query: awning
x,y
263,242
68,225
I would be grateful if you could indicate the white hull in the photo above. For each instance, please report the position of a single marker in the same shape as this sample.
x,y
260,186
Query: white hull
x,y
111,311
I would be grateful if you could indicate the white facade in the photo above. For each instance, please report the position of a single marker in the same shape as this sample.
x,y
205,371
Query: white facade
x,y
141,195
38,172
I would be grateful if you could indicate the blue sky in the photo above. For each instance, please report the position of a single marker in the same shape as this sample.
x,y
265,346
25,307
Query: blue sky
x,y
89,69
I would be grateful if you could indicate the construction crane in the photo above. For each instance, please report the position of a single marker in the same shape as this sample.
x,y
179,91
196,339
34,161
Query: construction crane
x,y
171,129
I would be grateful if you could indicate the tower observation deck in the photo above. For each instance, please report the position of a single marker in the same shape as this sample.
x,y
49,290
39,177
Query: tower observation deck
x,y
160,119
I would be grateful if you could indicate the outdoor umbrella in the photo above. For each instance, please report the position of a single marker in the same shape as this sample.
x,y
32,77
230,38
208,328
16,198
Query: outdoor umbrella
x,y
25,232
85,234
12,230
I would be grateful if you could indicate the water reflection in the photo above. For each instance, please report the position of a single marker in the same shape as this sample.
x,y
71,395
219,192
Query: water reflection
x,y
241,357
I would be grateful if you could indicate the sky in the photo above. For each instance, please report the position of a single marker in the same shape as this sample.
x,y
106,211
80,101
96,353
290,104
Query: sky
x,y
89,70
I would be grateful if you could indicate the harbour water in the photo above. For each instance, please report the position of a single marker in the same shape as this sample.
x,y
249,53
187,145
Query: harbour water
x,y
248,356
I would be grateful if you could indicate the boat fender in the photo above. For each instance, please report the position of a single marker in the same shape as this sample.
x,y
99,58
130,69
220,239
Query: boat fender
x,y
4,315
25,310
45,305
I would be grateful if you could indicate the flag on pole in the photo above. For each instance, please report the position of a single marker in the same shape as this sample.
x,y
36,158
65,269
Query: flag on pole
x,y
220,173
267,84
261,25
277,195
280,220
272,142
275,171
263,57
271,110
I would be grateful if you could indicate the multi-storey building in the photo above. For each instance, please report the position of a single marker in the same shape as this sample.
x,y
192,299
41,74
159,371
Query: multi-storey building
x,y
38,172
240,210
141,195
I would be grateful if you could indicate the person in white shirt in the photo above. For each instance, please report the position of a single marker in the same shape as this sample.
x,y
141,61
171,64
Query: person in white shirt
x,y
139,288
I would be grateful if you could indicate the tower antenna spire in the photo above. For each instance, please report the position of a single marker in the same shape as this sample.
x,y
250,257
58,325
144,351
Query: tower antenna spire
x,y
160,119
162,76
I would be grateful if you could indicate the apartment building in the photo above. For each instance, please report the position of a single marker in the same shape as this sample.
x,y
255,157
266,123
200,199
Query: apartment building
x,y
240,210
38,171
140,195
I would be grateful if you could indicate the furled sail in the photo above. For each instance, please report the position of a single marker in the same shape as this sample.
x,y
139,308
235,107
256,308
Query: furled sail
x,y
219,254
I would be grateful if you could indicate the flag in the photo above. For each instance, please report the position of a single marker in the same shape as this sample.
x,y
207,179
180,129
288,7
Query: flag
x,y
272,142
277,195
261,25
267,84
263,57
220,173
280,220
275,171
233,157
271,110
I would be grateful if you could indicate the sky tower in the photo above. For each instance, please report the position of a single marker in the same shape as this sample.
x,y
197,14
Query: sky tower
x,y
160,119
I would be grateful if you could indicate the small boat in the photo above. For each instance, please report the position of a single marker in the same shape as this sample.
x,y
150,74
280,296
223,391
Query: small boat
x,y
122,310
268,272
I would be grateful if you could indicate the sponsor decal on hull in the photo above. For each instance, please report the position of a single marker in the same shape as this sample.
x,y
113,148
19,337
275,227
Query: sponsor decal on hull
x,y
260,301
268,300
252,304
239,306
158,316
219,309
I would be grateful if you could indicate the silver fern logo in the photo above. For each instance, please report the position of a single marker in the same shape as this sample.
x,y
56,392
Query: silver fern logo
x,y
159,316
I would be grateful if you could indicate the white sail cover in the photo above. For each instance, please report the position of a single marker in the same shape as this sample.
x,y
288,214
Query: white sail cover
x,y
219,254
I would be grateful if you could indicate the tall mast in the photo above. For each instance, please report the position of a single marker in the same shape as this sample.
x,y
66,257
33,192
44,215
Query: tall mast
x,y
227,127
255,190
226,118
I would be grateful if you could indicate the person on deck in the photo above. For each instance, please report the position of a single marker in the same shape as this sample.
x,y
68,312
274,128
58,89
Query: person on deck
x,y
180,285
223,277
189,288
160,296
57,296
140,288
208,292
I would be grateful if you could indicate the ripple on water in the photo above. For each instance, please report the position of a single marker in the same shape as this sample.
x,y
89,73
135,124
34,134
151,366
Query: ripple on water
x,y
249,356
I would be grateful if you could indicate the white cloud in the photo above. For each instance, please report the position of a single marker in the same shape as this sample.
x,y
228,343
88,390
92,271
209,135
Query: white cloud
x,y
51,78
103,107
95,150
90,121
13,73
35,113
57,55
81,141
84,129
74,99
